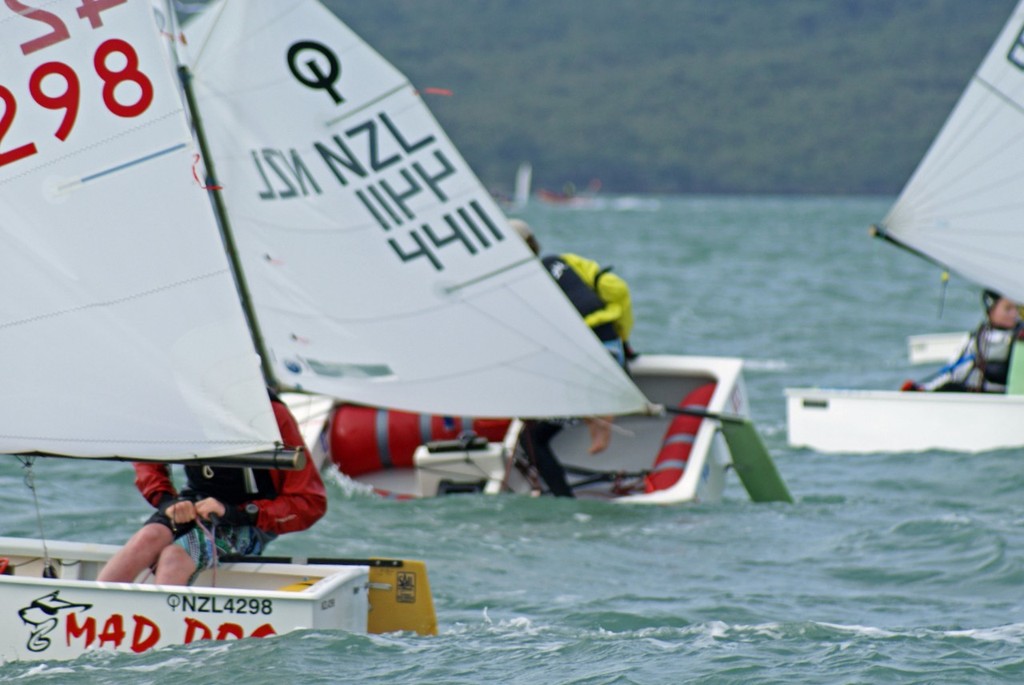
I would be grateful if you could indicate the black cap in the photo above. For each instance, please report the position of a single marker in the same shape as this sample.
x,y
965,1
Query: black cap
x,y
989,299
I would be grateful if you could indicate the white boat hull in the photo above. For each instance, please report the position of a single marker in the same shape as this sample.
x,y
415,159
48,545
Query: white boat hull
x,y
64,617
636,441
862,421
935,348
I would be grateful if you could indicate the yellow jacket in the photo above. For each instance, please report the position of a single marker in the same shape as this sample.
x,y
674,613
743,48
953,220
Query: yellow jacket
x,y
613,291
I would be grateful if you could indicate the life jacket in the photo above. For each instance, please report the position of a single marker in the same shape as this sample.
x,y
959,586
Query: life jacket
x,y
582,296
228,484
288,500
610,287
994,348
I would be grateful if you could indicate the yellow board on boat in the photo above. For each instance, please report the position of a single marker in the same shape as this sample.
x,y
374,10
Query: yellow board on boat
x,y
300,586
400,599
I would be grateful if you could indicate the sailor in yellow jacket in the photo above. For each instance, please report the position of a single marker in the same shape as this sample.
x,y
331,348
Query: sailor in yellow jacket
x,y
600,296
614,307
602,299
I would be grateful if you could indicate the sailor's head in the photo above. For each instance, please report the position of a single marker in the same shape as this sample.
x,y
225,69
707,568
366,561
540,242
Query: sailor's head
x,y
523,230
1001,312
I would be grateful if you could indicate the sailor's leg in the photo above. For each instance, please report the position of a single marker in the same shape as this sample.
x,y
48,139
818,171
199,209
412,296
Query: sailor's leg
x,y
175,566
139,553
537,441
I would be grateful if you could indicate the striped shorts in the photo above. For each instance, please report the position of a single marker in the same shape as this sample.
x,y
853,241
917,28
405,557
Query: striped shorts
x,y
247,540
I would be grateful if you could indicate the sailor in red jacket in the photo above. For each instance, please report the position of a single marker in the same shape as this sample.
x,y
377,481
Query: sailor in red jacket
x,y
241,509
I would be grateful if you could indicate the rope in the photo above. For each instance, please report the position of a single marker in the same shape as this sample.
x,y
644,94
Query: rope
x,y
443,471
528,469
30,482
210,534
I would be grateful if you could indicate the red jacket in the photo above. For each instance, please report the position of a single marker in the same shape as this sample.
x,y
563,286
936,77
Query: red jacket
x,y
301,498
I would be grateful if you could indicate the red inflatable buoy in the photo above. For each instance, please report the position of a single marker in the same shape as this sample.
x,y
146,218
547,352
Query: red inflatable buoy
x,y
363,439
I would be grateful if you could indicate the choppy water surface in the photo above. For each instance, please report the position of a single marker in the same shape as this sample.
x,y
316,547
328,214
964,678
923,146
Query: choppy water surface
x,y
888,568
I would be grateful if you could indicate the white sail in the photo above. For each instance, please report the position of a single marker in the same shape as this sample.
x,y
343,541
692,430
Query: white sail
x,y
120,328
524,178
380,269
964,205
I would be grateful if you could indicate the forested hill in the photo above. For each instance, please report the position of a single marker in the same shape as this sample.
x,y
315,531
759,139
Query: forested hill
x,y
758,96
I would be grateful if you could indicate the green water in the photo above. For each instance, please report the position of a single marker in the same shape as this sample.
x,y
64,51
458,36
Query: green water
x,y
887,569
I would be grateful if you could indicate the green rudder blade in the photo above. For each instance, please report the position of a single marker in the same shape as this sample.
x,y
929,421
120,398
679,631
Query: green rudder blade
x,y
753,464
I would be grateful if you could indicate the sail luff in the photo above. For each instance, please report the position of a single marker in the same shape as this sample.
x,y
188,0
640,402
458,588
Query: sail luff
x,y
224,224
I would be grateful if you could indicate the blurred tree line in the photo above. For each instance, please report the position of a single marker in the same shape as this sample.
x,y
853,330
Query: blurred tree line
x,y
688,96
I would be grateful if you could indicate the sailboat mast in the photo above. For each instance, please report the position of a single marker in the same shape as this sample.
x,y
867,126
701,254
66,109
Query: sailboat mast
x,y
225,228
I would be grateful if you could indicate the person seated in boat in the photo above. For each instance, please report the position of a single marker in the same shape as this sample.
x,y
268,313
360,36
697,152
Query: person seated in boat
x,y
984,362
222,510
603,300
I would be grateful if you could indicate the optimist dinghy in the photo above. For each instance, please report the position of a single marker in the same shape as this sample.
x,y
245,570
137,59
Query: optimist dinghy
x,y
668,459
963,210
128,319
66,616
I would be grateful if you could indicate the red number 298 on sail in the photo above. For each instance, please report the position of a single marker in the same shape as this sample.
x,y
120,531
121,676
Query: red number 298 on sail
x,y
68,97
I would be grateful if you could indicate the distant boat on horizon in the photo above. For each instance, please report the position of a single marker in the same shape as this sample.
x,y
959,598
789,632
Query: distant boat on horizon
x,y
569,196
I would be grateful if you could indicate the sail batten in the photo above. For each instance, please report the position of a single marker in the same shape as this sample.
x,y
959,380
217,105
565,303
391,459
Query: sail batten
x,y
961,207
380,269
330,123
1005,97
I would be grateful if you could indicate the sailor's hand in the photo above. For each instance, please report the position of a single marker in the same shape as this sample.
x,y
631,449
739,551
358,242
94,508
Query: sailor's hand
x,y
600,433
205,508
181,511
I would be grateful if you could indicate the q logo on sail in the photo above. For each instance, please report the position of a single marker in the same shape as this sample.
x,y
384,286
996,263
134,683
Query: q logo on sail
x,y
314,75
